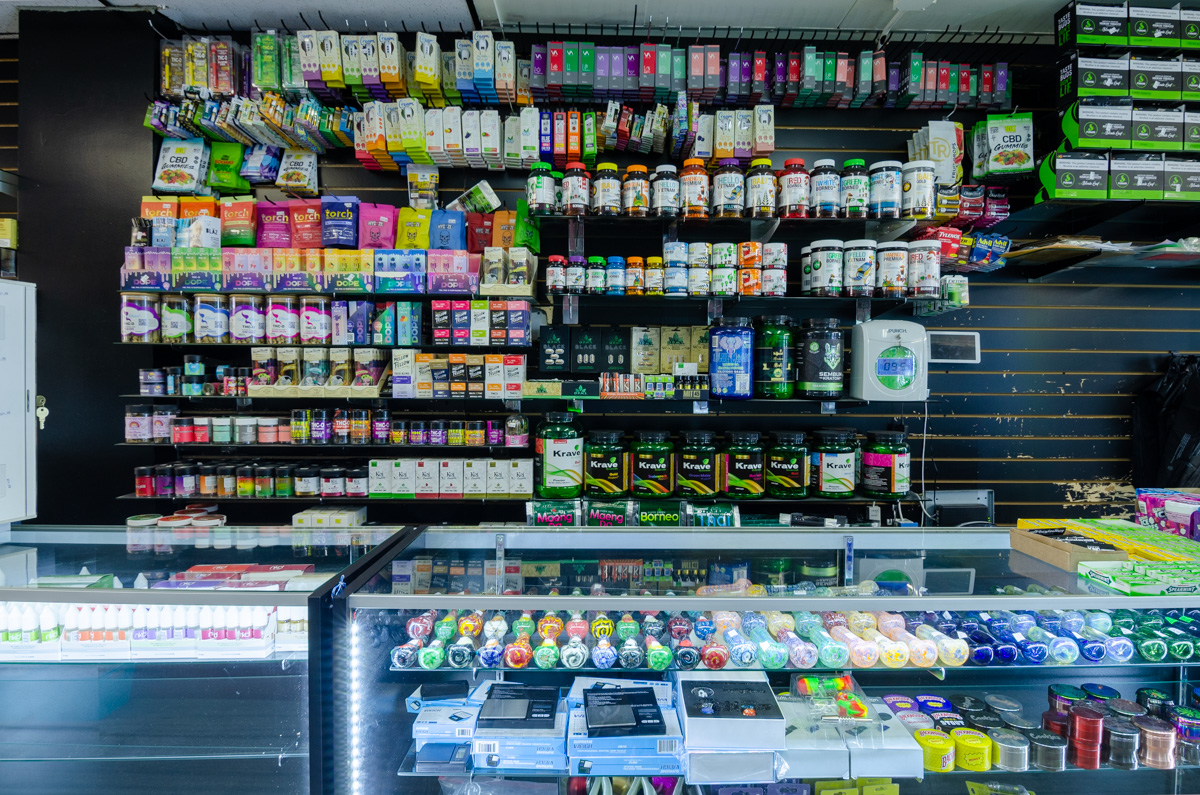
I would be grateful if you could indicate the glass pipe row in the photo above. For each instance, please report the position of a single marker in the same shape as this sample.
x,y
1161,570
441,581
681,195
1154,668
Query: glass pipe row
x,y
802,639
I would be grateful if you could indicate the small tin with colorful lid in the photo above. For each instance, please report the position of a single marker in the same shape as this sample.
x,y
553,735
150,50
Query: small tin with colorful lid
x,y
972,750
914,720
967,704
1063,697
929,704
937,750
1186,721
1001,703
946,721
1099,693
899,703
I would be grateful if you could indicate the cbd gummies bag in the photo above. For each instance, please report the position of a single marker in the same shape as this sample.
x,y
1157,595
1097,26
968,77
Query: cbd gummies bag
x,y
237,221
447,230
298,172
305,217
479,232
274,225
339,222
376,225
182,166
226,161
412,228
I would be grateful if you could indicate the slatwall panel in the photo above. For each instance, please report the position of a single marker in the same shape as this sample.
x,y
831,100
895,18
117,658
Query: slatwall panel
x,y
8,117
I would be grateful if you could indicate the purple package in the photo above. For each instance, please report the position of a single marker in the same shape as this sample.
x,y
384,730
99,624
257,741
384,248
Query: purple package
x,y
339,221
359,326
274,225
376,225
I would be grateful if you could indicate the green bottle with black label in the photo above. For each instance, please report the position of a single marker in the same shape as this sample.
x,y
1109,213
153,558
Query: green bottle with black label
x,y
652,463
605,465
697,466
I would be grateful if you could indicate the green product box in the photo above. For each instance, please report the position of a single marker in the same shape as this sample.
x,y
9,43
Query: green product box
x,y
1189,29
1099,124
662,513
1135,176
1181,179
1092,77
1158,129
1190,81
1080,175
1155,78
1154,27
609,513
1191,132
1091,23
587,66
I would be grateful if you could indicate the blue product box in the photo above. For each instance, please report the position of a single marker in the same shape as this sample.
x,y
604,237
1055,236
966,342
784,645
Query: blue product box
x,y
445,723
579,744
485,762
359,322
626,766
664,694
408,324
415,703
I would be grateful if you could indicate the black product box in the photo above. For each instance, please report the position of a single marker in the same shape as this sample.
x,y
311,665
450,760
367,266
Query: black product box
x,y
476,376
1158,129
541,706
580,573
1135,176
631,712
1155,78
580,389
542,575
614,349
1080,175
457,575
439,575
585,349
1080,76
1091,23
475,569
554,344
1099,123
440,320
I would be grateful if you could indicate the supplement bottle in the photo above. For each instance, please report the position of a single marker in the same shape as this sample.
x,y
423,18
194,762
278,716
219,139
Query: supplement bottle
x,y
576,276
664,192
858,268
793,189
697,466
556,275
558,457
635,276
886,189
760,189
728,190
694,189
886,466
891,269
558,192
819,360
825,190
576,190
832,465
918,197
635,192
655,276
855,189
825,265
606,190
614,276
806,270
744,471
787,466
924,268
652,465
605,465
731,358
596,277
774,372
540,190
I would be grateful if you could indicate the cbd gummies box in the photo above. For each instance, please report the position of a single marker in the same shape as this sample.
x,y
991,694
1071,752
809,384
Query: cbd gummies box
x,y
1135,176
1155,78
1181,179
1092,23
1080,175
1158,129
1154,27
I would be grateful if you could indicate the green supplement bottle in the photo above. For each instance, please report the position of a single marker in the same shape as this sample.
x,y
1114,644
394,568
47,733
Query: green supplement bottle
x,y
885,466
744,471
697,466
605,465
832,465
558,459
787,466
652,464
774,373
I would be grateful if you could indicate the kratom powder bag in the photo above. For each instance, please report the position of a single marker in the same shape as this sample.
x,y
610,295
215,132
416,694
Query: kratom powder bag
x,y
412,228
376,225
339,221
306,222
447,230
237,221
274,225
503,226
479,232
224,165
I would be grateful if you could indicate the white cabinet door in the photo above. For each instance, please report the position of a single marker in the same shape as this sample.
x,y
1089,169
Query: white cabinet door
x,y
18,393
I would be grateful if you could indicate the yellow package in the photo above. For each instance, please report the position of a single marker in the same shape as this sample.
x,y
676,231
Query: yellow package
x,y
412,228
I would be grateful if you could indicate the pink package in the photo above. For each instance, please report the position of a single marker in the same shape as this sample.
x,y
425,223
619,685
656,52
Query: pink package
x,y
1167,511
376,225
274,225
306,223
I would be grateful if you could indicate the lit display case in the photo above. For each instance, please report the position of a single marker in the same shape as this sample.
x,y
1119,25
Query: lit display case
x,y
929,657
133,656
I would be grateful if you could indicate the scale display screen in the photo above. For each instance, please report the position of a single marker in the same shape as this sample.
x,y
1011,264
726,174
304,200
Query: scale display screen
x,y
895,367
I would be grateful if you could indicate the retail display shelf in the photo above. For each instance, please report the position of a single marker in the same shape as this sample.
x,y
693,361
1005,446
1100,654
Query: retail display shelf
x,y
768,501
1114,219
340,448
610,405
248,345
335,500
738,229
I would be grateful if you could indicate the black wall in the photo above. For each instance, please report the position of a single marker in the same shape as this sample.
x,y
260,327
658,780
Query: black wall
x,y
1043,420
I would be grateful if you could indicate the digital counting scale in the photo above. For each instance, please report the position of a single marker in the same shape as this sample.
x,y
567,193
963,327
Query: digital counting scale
x,y
890,358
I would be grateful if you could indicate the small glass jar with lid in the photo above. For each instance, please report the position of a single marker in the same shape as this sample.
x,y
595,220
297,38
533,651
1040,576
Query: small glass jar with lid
x,y
744,473
760,189
652,465
540,189
886,466
635,192
832,465
212,318
664,192
140,320
576,190
606,190
792,189
787,466
693,182
728,190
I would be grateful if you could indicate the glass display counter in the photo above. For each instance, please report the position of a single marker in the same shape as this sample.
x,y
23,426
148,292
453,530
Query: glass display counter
x,y
150,657
523,659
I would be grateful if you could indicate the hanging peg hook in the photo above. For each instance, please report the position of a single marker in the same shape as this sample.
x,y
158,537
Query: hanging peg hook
x,y
739,41
229,25
323,22
283,26
156,30
305,21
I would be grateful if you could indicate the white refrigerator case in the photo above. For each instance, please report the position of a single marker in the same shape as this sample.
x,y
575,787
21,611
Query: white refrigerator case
x,y
18,398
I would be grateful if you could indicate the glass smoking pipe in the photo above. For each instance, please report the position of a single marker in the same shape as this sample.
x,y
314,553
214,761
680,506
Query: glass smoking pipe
x,y
490,654
687,656
805,621
630,654
714,655
885,622
704,627
447,628
432,656
550,626
1003,652
679,626
951,651
741,650
462,653
652,626
518,653
771,653
603,654
1150,647
1032,651
863,653
726,619
627,628
577,627
777,621
574,654
801,653
893,653
602,627
830,653
981,653
750,620
471,624
857,621
525,624
405,656
1090,649
1061,649
496,628
658,656
1098,619
546,655
420,626
1180,645
921,653
830,619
